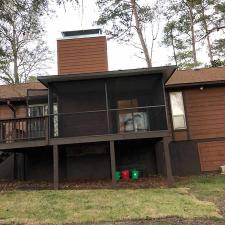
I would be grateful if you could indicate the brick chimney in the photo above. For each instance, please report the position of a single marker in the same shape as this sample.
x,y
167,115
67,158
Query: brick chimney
x,y
82,51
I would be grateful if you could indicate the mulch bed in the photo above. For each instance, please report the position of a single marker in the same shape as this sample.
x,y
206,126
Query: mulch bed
x,y
152,182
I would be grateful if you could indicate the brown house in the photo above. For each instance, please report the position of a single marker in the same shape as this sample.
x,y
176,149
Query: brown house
x,y
199,114
89,122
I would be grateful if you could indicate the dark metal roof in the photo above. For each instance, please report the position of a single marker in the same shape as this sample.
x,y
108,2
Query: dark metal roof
x,y
81,32
166,71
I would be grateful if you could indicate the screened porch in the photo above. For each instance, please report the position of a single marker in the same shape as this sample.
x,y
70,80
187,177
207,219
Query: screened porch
x,y
118,105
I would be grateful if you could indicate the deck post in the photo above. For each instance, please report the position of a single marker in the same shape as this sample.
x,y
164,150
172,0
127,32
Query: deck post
x,y
56,166
113,161
170,178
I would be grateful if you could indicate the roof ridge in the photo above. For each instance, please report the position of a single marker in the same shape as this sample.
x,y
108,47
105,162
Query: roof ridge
x,y
20,84
203,68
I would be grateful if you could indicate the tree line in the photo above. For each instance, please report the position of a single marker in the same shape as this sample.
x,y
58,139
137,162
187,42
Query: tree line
x,y
187,28
23,51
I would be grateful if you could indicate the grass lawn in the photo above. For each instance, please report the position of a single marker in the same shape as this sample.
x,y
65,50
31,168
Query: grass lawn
x,y
194,199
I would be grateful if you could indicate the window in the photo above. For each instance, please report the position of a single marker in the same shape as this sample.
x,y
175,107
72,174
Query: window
x,y
177,108
37,110
37,125
129,118
42,110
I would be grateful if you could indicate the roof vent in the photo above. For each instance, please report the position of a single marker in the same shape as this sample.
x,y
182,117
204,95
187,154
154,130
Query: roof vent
x,y
81,33
197,68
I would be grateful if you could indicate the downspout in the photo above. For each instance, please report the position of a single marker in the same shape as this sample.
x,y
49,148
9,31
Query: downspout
x,y
12,107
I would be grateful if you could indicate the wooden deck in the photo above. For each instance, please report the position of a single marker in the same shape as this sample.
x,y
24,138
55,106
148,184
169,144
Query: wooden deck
x,y
83,139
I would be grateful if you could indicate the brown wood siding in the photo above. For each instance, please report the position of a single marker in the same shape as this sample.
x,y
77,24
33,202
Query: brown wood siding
x,y
212,155
205,112
21,111
180,135
82,55
6,112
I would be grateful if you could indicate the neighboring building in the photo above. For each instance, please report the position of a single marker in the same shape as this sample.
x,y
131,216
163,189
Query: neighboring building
x,y
89,122
15,103
13,99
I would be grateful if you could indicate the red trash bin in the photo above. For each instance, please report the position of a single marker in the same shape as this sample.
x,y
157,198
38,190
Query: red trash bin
x,y
125,174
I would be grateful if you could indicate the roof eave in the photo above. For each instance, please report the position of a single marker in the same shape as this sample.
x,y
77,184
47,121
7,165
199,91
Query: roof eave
x,y
195,84
14,99
166,71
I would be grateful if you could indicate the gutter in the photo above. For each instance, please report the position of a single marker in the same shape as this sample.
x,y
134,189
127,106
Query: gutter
x,y
195,84
12,107
166,71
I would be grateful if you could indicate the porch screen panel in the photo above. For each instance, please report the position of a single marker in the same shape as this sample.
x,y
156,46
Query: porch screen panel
x,y
136,103
81,108
157,118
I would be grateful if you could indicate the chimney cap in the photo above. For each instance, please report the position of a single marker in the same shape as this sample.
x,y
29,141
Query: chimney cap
x,y
75,33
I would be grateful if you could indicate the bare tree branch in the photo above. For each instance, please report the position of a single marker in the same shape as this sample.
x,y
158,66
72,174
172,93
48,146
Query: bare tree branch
x,y
211,31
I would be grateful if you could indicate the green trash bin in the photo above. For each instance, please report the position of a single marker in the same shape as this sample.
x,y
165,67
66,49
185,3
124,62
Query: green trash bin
x,y
135,174
117,175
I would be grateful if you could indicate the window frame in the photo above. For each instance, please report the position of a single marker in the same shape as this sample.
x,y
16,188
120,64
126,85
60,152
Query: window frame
x,y
183,115
45,113
132,104
44,109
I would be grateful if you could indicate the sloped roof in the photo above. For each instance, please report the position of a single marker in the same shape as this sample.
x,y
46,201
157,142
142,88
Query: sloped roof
x,y
197,76
18,91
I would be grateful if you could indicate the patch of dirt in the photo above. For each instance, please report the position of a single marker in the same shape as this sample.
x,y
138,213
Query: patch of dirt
x,y
163,221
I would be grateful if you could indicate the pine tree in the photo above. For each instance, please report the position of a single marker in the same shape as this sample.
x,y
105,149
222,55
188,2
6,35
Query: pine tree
x,y
125,19
179,31
193,23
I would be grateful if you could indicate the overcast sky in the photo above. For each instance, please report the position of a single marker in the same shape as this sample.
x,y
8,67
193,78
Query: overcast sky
x,y
119,56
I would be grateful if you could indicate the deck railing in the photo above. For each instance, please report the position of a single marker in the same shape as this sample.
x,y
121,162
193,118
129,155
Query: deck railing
x,y
77,124
22,129
111,121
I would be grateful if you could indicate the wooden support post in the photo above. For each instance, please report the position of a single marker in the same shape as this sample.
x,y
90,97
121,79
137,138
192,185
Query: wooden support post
x,y
113,161
47,129
15,166
169,174
56,166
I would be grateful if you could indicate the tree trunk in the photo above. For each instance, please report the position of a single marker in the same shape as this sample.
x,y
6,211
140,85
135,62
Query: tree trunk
x,y
15,57
205,25
190,8
174,48
140,34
